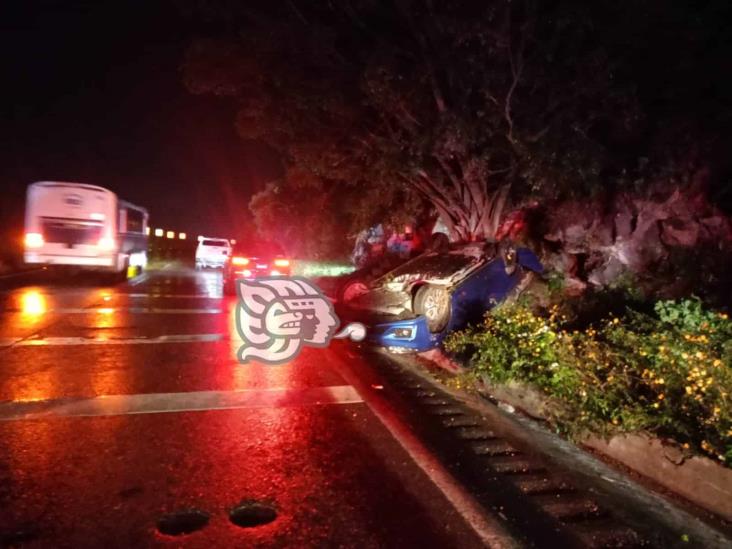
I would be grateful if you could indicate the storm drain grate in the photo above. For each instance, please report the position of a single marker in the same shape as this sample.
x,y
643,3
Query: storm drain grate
x,y
182,522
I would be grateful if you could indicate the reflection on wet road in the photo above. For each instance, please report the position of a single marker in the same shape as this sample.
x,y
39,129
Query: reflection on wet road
x,y
121,404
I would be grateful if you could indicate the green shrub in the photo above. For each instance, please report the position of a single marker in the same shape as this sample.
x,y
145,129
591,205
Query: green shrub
x,y
556,282
669,373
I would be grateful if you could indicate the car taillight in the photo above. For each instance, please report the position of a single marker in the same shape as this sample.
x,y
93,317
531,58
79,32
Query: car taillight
x,y
282,262
106,243
33,240
240,261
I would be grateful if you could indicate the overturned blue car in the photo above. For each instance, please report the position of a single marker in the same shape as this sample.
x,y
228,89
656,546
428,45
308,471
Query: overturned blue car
x,y
414,306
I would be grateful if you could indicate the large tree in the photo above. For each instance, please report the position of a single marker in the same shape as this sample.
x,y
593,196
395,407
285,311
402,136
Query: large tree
x,y
470,104
457,103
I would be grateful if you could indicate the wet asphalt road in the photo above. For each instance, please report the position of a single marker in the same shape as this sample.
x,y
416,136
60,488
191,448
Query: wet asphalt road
x,y
120,404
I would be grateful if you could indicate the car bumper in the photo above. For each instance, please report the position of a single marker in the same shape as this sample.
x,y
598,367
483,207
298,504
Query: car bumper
x,y
253,274
211,262
411,335
50,259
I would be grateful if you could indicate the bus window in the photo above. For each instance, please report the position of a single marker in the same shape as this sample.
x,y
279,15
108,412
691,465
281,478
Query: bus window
x,y
135,221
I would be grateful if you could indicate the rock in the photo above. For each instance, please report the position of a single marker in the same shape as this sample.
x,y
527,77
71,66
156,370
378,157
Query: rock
x,y
574,287
674,453
679,233
624,224
608,272
636,236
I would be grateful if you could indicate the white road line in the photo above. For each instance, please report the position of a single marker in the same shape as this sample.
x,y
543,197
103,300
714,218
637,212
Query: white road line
x,y
491,531
51,341
161,403
133,310
157,296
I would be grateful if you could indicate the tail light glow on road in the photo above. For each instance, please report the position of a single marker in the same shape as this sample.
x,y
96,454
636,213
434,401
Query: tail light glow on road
x,y
33,303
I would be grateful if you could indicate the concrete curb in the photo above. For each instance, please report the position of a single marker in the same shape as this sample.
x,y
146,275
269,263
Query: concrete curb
x,y
634,502
697,478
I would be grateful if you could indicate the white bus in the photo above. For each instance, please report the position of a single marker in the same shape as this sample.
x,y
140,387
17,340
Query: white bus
x,y
85,226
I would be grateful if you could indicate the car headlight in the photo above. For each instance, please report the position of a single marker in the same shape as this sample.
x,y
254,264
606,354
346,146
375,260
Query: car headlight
x,y
403,333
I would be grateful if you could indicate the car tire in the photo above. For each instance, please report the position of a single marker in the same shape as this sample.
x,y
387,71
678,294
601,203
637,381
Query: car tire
x,y
434,303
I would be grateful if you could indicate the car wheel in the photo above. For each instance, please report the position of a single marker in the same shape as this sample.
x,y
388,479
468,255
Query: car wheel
x,y
434,303
351,289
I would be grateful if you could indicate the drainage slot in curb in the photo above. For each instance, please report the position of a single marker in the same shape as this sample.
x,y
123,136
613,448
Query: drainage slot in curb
x,y
182,522
446,411
453,422
497,447
249,514
474,433
435,401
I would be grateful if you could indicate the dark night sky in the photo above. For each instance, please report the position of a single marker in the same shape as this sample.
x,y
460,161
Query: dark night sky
x,y
91,92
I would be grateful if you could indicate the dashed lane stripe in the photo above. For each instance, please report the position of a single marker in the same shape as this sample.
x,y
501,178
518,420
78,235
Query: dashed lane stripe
x,y
50,341
159,295
160,403
133,310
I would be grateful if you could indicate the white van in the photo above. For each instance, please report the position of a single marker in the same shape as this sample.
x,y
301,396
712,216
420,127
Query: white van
x,y
85,226
212,252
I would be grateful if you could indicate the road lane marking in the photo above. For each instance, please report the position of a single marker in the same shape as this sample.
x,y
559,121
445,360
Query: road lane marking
x,y
51,341
133,310
161,403
491,531
186,296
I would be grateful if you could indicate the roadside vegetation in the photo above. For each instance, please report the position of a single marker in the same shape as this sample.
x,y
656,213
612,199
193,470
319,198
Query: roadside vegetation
x,y
668,373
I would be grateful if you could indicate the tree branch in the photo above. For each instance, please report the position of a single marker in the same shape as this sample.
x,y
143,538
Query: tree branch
x,y
517,67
